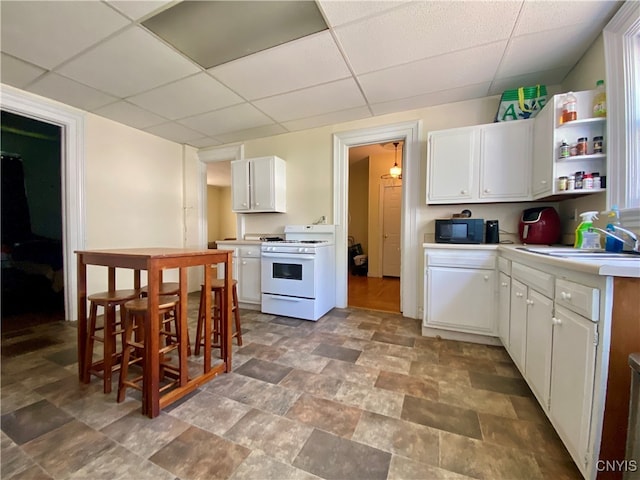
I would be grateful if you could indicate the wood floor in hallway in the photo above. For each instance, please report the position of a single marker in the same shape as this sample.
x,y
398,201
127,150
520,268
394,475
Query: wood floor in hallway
x,y
375,293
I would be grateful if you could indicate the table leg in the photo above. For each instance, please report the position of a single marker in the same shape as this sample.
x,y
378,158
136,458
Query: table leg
x,y
226,318
152,346
207,319
82,317
184,330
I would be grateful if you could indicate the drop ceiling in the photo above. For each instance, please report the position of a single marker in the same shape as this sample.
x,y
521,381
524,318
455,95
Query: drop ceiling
x,y
147,64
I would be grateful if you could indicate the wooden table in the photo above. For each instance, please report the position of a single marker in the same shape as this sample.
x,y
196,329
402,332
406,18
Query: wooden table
x,y
154,261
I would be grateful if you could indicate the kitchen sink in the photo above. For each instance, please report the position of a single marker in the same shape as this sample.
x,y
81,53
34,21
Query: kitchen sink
x,y
569,252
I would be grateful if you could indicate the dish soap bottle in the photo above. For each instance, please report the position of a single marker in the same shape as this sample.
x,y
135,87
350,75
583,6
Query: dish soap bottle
x,y
613,244
585,225
600,100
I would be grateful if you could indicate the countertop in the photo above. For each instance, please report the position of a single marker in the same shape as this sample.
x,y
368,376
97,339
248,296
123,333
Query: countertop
x,y
601,266
238,242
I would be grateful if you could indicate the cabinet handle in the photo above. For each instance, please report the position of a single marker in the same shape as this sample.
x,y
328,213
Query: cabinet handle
x,y
565,295
543,182
556,321
504,284
244,262
487,190
463,192
244,204
257,204
519,295
486,277
529,301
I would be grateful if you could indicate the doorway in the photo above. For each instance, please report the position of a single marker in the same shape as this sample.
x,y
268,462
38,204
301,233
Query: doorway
x,y
375,212
32,230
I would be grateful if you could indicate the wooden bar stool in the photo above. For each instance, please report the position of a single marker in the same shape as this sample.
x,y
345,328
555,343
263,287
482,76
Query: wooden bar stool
x,y
219,296
109,330
166,288
133,350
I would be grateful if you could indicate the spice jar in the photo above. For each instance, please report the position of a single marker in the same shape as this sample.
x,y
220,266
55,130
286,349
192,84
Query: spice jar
x,y
578,177
562,183
564,149
587,181
571,182
582,146
597,144
573,150
597,184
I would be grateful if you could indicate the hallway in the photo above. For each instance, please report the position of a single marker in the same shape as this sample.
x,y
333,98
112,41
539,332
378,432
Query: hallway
x,y
375,293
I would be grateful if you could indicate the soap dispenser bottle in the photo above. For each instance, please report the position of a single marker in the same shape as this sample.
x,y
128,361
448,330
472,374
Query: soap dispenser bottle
x,y
613,244
585,224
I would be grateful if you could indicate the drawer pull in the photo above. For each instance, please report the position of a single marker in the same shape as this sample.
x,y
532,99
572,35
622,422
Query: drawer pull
x,y
556,321
565,295
529,301
504,284
486,277
519,295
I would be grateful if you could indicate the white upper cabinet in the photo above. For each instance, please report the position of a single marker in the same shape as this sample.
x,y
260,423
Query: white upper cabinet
x,y
484,163
258,185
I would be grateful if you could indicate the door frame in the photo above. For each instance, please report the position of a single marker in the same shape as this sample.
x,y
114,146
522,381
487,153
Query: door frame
x,y
409,132
72,160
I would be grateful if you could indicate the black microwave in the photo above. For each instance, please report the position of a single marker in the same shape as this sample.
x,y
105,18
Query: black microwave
x,y
459,230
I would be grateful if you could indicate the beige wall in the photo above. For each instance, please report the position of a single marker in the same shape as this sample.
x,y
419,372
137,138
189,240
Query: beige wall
x,y
359,203
134,193
221,221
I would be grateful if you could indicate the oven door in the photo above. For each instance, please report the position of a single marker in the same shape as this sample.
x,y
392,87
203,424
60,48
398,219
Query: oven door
x,y
288,274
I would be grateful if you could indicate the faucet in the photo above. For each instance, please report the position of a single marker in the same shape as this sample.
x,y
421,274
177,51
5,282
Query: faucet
x,y
634,243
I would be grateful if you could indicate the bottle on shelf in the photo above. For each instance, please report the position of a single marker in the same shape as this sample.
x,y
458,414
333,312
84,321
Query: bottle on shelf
x,y
569,108
564,149
600,100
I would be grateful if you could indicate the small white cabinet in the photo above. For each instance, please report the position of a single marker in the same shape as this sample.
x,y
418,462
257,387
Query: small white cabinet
x,y
246,270
258,185
483,163
504,307
460,291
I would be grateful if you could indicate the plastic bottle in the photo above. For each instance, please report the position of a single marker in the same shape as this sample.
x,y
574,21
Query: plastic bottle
x,y
569,108
600,100
585,224
612,244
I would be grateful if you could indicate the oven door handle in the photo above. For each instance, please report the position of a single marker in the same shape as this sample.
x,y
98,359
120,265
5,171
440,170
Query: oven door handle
x,y
288,256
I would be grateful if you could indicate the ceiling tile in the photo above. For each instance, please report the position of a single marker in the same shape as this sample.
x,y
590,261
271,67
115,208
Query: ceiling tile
x,y
433,74
129,114
71,92
538,16
187,97
424,29
77,26
544,51
250,133
204,142
309,61
339,95
174,131
135,10
230,119
341,12
129,63
18,73
330,118
453,95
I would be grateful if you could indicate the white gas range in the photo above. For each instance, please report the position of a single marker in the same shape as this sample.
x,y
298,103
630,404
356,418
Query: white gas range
x,y
298,273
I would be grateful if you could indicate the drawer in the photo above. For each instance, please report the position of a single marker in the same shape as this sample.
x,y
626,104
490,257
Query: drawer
x,y
504,265
461,259
540,281
250,251
578,298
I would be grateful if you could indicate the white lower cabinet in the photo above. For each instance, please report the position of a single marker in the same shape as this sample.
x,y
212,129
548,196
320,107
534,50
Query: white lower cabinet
x,y
246,270
460,291
572,379
504,307
539,338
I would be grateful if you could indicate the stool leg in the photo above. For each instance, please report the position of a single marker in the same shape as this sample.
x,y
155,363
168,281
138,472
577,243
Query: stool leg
x,y
218,308
126,353
109,347
88,357
236,314
200,326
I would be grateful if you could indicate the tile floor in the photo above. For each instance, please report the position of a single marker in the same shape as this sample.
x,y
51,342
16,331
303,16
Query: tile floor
x,y
357,395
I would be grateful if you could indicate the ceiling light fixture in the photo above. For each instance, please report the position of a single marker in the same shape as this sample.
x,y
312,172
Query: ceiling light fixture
x,y
395,171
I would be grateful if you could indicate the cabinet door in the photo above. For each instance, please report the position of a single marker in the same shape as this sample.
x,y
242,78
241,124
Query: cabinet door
x,y
505,160
543,148
240,196
249,283
504,303
518,324
262,184
453,156
572,378
538,351
461,299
